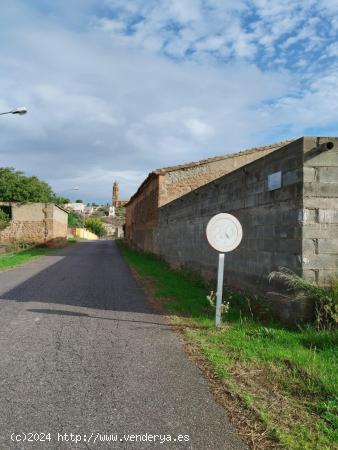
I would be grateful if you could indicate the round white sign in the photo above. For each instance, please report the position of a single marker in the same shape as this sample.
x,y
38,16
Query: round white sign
x,y
224,232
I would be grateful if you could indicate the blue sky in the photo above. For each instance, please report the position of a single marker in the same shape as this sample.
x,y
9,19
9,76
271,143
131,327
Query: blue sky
x,y
117,88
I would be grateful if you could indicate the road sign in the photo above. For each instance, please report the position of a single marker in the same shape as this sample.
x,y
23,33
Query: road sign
x,y
224,234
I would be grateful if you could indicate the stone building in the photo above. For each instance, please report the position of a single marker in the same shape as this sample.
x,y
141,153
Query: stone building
x,y
116,202
34,222
114,227
165,185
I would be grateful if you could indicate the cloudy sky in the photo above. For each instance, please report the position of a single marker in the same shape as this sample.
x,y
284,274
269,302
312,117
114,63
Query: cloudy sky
x,y
117,88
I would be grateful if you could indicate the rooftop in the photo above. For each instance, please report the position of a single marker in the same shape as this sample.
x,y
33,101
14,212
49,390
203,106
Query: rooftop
x,y
165,170
275,146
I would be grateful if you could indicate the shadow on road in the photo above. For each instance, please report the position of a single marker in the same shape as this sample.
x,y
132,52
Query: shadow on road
x,y
90,274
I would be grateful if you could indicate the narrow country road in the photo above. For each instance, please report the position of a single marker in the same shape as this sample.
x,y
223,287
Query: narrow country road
x,y
82,353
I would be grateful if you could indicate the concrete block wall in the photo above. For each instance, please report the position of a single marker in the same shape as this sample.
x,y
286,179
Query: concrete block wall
x,y
164,185
271,220
320,202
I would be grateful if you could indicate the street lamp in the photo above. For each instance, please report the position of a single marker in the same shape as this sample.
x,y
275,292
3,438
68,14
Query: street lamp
x,y
21,111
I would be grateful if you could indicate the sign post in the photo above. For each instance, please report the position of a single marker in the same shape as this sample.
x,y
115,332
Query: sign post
x,y
218,317
224,234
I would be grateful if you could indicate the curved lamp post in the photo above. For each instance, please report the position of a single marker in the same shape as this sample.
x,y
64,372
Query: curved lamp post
x,y
21,111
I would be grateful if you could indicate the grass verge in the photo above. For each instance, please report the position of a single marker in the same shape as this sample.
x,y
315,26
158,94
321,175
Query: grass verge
x,y
288,378
9,260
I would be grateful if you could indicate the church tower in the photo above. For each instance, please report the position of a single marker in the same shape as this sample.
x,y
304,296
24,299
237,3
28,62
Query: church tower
x,y
116,195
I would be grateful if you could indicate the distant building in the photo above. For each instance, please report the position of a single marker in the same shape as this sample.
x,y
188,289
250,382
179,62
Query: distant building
x,y
88,210
116,202
75,207
33,222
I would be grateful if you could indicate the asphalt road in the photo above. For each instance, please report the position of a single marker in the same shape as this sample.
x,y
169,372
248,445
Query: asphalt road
x,y
82,353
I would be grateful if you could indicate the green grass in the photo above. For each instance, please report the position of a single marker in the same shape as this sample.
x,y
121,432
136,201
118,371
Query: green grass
x,y
10,260
71,240
289,376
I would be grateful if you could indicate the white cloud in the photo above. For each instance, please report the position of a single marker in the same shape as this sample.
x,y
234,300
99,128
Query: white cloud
x,y
137,85
198,128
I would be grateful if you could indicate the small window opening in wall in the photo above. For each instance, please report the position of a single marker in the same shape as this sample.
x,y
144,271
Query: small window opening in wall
x,y
7,210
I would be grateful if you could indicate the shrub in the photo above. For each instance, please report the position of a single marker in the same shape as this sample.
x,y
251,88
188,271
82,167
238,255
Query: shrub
x,y
75,220
4,219
95,226
325,298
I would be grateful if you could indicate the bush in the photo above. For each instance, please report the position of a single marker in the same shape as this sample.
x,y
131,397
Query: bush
x,y
4,219
325,298
75,220
95,226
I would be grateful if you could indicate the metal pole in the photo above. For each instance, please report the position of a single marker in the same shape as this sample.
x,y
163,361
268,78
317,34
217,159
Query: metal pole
x,y
218,318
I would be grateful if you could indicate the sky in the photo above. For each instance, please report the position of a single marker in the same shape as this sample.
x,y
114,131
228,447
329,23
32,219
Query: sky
x,y
117,88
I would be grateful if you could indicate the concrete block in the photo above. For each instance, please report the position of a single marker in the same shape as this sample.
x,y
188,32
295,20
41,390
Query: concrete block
x,y
250,201
325,276
292,216
293,262
291,177
285,231
309,174
269,245
292,246
320,231
310,247
328,215
328,174
321,190
319,202
328,246
321,261
268,231
310,215
311,275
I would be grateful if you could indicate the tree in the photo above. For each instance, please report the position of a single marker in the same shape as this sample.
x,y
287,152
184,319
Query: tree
x,y
75,220
78,201
4,219
17,187
95,226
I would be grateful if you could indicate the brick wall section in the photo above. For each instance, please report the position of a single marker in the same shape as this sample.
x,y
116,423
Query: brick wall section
x,y
271,220
165,185
175,183
142,213
320,229
35,222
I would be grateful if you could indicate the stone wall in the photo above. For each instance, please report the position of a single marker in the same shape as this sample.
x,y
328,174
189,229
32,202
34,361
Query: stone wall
x,y
142,217
34,222
295,226
177,182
